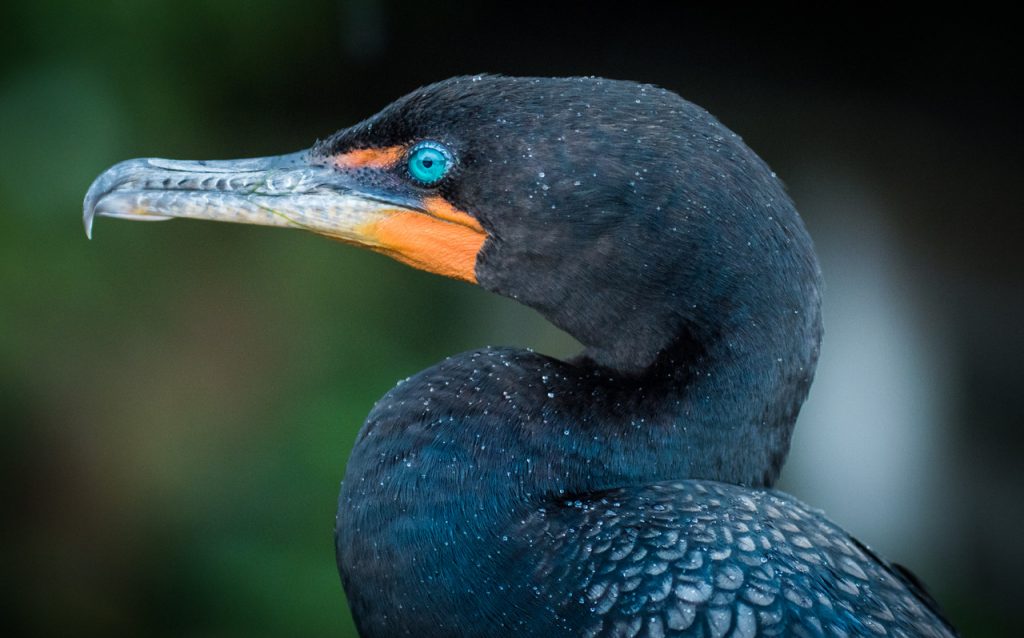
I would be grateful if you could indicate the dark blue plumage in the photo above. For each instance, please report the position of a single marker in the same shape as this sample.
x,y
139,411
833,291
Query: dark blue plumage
x,y
504,493
625,492
707,558
473,511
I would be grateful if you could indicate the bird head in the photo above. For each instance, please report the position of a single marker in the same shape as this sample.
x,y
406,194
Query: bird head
x,y
623,213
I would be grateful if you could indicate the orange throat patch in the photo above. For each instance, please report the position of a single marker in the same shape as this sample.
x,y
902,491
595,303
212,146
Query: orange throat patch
x,y
444,241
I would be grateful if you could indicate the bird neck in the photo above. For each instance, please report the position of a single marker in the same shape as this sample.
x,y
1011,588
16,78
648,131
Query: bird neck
x,y
721,410
711,408
452,457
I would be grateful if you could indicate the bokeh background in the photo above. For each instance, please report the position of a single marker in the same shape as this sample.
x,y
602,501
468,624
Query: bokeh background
x,y
178,400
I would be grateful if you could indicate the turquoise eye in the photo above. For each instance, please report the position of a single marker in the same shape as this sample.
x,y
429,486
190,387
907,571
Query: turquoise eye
x,y
429,162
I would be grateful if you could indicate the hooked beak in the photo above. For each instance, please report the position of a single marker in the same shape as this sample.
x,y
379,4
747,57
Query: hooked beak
x,y
291,191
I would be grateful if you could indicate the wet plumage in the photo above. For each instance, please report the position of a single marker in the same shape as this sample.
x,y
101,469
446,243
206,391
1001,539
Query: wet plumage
x,y
625,492
493,526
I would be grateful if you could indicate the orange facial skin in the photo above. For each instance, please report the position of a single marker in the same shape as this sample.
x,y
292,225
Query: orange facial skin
x,y
443,240
428,243
441,208
385,157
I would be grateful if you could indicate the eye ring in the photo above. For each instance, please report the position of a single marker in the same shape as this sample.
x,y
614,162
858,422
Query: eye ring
x,y
429,162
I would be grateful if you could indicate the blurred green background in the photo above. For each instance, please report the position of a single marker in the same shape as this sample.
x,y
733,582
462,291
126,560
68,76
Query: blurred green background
x,y
178,400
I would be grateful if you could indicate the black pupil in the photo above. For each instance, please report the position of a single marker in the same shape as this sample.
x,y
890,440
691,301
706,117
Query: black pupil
x,y
427,162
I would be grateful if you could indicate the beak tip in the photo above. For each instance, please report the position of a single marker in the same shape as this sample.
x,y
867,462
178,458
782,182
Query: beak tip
x,y
99,187
88,213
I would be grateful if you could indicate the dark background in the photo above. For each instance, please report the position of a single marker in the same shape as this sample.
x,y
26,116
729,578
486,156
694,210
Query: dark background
x,y
178,399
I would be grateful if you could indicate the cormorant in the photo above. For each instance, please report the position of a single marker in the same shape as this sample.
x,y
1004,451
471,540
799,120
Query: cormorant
x,y
624,492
